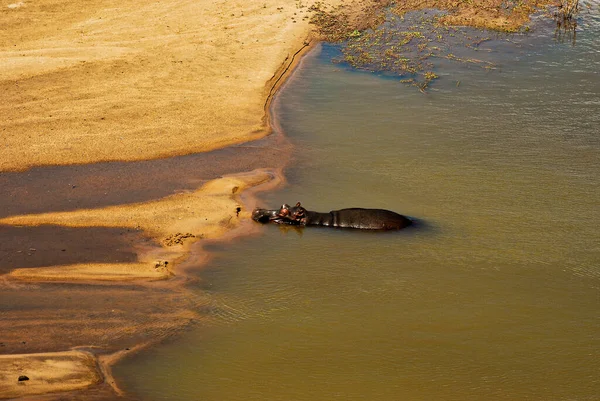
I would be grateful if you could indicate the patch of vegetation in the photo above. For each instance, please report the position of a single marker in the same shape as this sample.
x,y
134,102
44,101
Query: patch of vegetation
x,y
408,49
498,15
375,37
335,24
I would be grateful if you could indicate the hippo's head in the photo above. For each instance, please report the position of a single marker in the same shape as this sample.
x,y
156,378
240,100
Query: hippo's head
x,y
284,215
297,214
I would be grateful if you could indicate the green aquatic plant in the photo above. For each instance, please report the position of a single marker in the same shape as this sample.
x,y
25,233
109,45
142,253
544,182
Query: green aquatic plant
x,y
430,76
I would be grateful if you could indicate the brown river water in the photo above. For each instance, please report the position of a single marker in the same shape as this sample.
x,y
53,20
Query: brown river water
x,y
494,295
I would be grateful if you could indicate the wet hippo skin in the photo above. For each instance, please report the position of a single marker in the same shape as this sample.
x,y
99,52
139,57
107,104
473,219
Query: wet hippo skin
x,y
359,218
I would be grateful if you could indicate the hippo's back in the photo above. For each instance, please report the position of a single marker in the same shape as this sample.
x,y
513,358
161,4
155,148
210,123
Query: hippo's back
x,y
369,219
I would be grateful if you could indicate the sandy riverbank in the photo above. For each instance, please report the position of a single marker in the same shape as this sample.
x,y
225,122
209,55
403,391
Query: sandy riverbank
x,y
174,222
137,80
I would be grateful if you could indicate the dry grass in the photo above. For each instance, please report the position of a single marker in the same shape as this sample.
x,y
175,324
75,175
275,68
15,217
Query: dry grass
x,y
566,23
500,15
336,23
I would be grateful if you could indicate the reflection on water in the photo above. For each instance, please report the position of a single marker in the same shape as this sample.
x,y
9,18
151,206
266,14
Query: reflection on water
x,y
496,298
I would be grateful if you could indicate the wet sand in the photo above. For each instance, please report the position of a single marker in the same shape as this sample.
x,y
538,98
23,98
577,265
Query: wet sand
x,y
74,369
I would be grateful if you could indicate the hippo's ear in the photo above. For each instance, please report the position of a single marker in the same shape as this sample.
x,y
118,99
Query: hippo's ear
x,y
298,204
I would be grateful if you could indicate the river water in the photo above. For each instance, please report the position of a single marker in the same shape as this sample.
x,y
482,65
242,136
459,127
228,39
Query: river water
x,y
495,295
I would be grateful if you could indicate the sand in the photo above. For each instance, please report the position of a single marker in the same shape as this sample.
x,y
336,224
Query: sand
x,y
47,372
93,271
173,223
137,80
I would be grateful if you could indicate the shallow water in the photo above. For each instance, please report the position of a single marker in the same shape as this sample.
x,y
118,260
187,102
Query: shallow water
x,y
494,296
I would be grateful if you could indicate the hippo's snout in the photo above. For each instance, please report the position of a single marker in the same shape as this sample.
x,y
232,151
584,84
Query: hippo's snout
x,y
263,215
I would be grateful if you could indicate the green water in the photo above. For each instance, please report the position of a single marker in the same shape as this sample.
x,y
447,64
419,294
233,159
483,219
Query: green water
x,y
495,296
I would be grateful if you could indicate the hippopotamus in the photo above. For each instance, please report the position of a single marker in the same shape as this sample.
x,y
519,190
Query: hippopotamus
x,y
365,219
